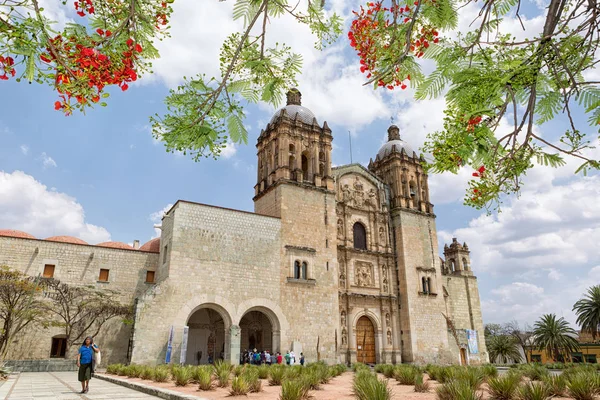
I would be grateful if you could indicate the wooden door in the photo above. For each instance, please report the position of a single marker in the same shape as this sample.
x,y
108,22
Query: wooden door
x,y
463,357
365,341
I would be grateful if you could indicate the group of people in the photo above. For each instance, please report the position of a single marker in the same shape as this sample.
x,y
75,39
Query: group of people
x,y
264,357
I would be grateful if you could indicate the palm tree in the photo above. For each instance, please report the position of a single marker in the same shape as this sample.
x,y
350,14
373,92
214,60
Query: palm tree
x,y
555,337
503,347
588,311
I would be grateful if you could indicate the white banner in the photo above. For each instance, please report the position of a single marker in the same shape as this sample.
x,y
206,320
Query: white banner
x,y
184,342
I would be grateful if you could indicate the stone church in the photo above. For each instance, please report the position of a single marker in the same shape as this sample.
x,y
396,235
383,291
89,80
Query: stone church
x,y
338,263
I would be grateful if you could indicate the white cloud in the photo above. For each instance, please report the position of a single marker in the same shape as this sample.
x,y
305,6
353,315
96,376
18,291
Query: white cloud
x,y
157,216
47,161
229,150
24,149
28,205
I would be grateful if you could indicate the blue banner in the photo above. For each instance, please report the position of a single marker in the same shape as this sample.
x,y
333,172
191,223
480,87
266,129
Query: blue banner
x,y
472,341
169,347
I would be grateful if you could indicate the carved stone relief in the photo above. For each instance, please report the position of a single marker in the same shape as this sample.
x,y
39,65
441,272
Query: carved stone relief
x,y
344,336
389,337
363,274
382,240
343,318
340,229
387,319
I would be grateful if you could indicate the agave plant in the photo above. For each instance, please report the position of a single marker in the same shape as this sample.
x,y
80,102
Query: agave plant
x,y
504,387
557,385
583,386
457,390
405,374
421,386
293,390
555,337
223,372
204,376
533,391
366,386
182,375
239,386
161,374
276,374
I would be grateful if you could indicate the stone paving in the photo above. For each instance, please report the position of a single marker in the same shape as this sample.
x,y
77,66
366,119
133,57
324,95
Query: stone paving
x,y
63,386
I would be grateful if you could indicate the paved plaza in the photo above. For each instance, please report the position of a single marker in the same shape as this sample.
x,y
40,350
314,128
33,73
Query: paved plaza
x,y
63,386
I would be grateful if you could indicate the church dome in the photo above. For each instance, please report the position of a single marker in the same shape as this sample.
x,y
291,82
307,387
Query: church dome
x,y
66,239
16,234
294,109
394,144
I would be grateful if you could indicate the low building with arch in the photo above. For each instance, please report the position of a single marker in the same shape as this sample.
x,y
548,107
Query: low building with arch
x,y
338,263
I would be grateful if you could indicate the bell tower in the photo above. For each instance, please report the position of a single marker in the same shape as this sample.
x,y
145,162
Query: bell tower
x,y
400,167
457,257
423,333
294,148
295,184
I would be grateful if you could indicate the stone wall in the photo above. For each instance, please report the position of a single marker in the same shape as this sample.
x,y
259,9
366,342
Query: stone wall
x,y
464,308
78,264
225,260
423,327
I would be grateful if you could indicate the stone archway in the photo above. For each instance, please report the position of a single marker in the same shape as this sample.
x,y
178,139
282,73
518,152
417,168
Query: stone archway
x,y
208,336
260,330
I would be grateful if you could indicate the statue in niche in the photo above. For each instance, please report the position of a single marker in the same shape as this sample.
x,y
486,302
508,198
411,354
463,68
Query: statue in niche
x,y
387,319
346,194
340,229
344,337
370,201
385,285
382,236
389,337
342,280
343,318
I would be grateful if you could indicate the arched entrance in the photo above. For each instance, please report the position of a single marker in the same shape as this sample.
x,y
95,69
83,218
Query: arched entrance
x,y
365,341
206,338
257,332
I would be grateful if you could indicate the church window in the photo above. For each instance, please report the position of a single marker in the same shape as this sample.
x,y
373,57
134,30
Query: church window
x,y
321,169
304,167
165,252
465,264
48,271
360,236
304,270
103,277
150,276
276,163
297,269
292,149
424,284
292,162
429,286
451,266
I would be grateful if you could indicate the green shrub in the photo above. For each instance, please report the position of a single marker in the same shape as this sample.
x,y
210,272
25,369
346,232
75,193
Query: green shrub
x,y
579,369
583,386
366,386
473,376
557,385
359,367
263,371
388,370
276,374
504,387
147,373
489,371
434,372
204,377
161,374
135,370
533,391
182,375
379,368
252,377
239,386
113,368
405,374
222,372
421,386
239,369
311,378
535,372
123,370
341,368
457,390
293,372
293,390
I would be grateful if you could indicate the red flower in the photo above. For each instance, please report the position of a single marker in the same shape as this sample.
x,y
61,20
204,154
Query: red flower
x,y
108,33
363,69
57,105
100,31
10,61
138,48
96,98
124,87
129,42
403,87
3,77
481,169
475,174
391,87
91,10
81,13
45,59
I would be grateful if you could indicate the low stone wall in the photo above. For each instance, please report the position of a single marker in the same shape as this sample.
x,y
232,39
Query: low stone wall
x,y
50,365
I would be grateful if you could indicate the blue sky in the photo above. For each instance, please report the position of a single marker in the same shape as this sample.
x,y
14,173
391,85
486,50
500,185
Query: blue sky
x,y
102,176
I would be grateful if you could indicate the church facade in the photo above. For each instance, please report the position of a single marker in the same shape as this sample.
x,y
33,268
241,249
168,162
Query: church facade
x,y
338,263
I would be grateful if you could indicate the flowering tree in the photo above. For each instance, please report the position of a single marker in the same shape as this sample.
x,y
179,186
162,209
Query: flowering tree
x,y
489,79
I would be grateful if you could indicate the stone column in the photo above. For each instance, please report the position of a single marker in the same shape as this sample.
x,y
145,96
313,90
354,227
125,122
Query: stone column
x,y
378,347
232,344
276,342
